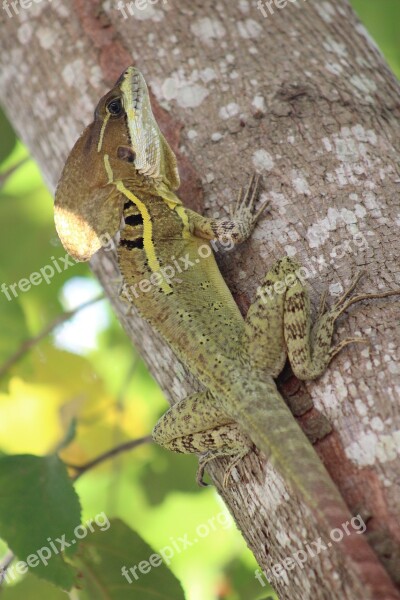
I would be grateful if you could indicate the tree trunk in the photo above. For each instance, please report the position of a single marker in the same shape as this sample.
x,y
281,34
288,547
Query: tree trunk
x,y
301,95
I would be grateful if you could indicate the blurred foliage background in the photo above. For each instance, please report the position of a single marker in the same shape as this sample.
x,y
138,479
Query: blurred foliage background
x,y
87,369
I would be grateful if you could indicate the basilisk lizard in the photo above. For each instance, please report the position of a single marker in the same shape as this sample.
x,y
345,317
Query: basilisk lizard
x,y
122,170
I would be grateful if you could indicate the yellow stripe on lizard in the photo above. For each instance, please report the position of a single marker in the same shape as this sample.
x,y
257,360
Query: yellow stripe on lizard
x,y
103,128
147,233
147,224
174,203
185,221
108,169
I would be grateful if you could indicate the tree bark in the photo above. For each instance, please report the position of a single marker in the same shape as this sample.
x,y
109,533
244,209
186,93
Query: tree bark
x,y
304,97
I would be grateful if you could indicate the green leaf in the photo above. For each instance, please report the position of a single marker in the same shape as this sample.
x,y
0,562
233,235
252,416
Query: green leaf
x,y
101,558
33,588
38,504
172,471
242,579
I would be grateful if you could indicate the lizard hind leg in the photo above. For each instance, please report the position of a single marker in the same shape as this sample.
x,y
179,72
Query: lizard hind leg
x,y
196,425
279,323
263,335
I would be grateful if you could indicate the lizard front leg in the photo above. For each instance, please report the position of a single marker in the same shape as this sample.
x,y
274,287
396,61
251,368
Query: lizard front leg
x,y
279,322
238,226
196,425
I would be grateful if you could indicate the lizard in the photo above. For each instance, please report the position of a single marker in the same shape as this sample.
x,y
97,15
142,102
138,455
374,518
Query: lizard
x,y
121,178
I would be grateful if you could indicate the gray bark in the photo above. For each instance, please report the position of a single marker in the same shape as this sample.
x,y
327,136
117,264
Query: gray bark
x,y
304,97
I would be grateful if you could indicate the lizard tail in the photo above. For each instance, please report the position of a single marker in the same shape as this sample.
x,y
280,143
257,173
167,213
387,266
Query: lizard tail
x,y
265,418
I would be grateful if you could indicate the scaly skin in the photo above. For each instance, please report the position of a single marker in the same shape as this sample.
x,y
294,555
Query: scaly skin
x,y
122,166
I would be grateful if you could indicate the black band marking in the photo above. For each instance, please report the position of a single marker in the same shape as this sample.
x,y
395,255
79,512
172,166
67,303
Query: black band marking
x,y
133,220
133,243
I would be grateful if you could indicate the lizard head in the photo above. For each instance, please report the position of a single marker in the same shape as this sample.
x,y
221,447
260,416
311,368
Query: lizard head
x,y
122,144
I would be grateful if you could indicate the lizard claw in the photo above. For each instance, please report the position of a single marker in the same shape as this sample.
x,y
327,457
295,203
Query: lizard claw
x,y
349,340
200,474
243,212
211,455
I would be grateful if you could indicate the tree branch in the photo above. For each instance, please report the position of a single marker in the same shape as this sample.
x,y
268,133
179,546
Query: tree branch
x,y
81,469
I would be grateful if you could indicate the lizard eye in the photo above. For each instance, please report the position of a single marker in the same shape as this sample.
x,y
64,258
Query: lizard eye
x,y
114,107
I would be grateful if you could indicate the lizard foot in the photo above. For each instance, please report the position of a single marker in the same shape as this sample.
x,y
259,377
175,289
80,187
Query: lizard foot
x,y
323,328
236,457
243,211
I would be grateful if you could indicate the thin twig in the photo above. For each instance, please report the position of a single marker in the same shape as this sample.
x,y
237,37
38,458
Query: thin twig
x,y
4,564
81,469
28,344
4,176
